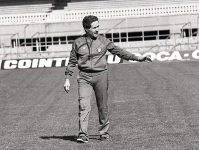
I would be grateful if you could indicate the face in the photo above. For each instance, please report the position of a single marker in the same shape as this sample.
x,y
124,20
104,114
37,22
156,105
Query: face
x,y
93,31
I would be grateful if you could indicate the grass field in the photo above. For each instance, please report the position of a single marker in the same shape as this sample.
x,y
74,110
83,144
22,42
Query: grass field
x,y
152,106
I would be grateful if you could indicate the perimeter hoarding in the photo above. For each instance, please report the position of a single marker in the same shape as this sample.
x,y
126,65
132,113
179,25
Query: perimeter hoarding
x,y
111,59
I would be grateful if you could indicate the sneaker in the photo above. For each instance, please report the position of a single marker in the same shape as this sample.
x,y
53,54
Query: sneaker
x,y
105,137
82,138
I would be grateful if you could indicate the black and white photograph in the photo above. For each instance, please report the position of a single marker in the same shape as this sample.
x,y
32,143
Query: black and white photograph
x,y
99,75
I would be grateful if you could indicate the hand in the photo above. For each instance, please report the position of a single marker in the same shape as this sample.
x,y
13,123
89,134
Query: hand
x,y
67,85
146,58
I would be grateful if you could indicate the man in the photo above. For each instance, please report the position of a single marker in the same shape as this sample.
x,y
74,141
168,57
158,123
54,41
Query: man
x,y
89,52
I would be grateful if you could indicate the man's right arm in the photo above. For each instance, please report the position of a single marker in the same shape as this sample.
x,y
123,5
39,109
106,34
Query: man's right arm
x,y
72,62
70,67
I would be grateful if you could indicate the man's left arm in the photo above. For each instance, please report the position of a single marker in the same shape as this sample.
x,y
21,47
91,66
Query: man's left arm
x,y
116,50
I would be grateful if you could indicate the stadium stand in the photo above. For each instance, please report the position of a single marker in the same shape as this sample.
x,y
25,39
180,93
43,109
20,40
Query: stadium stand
x,y
25,2
29,29
25,6
85,5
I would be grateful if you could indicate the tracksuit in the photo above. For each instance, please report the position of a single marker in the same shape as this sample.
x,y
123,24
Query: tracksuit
x,y
90,56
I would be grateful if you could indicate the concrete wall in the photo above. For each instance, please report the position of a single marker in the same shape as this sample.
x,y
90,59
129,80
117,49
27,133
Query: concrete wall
x,y
174,23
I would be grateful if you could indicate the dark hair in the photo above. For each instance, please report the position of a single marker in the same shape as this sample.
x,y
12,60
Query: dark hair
x,y
88,20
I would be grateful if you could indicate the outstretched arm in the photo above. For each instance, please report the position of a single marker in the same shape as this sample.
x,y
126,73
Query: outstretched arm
x,y
146,59
116,50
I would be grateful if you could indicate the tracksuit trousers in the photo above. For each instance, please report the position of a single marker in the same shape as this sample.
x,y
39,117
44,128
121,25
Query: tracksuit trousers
x,y
87,82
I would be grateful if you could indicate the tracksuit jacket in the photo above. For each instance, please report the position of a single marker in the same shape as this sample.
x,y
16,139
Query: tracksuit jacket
x,y
90,55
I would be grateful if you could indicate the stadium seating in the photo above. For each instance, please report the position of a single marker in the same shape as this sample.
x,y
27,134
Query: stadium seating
x,y
114,24
23,7
86,5
24,2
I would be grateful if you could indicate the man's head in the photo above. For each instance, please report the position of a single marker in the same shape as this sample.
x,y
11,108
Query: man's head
x,y
91,25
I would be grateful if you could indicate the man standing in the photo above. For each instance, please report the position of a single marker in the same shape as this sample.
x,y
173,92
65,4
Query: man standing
x,y
89,52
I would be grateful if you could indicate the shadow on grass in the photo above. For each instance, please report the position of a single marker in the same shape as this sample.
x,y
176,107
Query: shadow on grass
x,y
94,137
72,138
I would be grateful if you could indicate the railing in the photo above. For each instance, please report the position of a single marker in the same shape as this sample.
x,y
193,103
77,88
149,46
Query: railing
x,y
195,33
174,34
154,47
68,16
174,47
